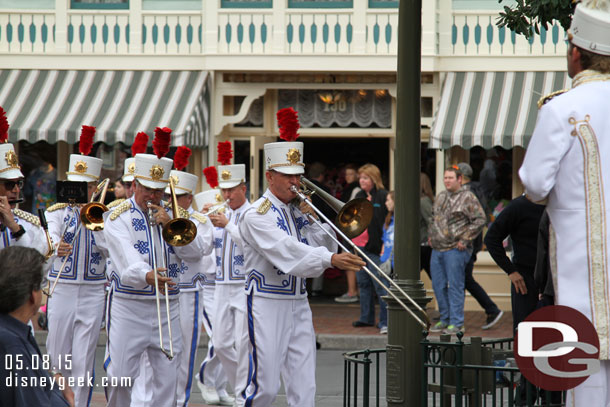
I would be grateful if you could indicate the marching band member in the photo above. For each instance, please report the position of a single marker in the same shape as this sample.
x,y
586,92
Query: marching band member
x,y
191,301
211,379
17,227
133,327
282,247
229,298
76,306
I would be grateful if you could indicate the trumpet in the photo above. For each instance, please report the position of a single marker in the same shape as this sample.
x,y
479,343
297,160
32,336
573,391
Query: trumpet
x,y
218,208
91,215
352,219
152,224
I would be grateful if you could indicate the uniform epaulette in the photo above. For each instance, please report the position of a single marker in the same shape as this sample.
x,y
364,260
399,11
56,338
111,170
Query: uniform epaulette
x,y
547,98
264,207
57,206
27,216
116,202
125,206
199,217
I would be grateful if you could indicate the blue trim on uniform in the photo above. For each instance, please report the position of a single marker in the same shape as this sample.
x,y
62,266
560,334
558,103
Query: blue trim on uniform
x,y
189,377
107,361
210,351
254,359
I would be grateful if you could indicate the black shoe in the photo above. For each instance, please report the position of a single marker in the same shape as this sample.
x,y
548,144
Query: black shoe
x,y
360,324
492,319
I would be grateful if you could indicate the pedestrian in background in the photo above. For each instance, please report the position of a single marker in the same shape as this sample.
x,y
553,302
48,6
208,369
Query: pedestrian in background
x,y
491,309
426,202
370,242
458,219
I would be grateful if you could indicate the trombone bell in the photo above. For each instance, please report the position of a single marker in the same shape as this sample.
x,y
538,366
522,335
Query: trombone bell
x,y
354,217
91,216
179,232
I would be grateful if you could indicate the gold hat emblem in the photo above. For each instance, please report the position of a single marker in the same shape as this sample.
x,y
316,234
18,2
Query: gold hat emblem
x,y
218,198
80,167
175,179
11,159
156,172
132,168
293,156
226,175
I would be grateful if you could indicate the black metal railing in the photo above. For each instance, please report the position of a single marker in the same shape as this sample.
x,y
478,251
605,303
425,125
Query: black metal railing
x,y
473,373
356,363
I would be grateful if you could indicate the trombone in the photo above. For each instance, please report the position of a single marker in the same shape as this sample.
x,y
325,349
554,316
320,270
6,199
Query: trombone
x,y
352,219
92,214
152,224
178,231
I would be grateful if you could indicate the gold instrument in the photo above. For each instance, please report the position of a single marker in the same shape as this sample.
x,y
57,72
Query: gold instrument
x,y
91,215
178,231
49,291
354,217
152,224
218,208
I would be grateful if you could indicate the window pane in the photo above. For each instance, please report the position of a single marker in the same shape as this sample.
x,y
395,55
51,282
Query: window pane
x,y
100,4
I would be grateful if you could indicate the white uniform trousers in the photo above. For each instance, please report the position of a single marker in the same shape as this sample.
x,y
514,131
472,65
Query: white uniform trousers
x,y
211,372
133,330
595,391
282,344
229,313
75,314
191,313
141,391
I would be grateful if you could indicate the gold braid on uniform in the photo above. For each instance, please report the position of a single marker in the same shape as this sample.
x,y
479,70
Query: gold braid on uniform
x,y
125,206
57,206
183,213
264,207
26,216
114,203
200,217
545,99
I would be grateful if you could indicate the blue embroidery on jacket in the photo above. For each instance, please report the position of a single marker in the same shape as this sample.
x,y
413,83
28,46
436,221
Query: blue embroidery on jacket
x,y
68,237
141,246
218,261
217,243
96,258
173,270
238,260
138,224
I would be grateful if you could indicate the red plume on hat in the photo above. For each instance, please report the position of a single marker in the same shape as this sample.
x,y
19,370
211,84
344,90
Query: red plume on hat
x,y
181,158
86,139
288,122
211,176
161,141
224,152
3,126
139,144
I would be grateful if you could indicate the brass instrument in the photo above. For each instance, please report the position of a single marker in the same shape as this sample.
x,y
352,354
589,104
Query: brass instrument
x,y
354,216
49,291
152,224
178,231
218,208
91,215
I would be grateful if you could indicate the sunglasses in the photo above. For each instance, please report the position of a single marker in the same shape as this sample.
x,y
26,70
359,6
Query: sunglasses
x,y
10,185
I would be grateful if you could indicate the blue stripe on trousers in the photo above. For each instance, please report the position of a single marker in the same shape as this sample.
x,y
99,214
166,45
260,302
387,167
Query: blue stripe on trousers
x,y
189,378
254,360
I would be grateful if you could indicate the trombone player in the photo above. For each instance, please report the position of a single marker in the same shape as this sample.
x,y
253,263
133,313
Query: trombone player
x,y
282,247
77,273
136,323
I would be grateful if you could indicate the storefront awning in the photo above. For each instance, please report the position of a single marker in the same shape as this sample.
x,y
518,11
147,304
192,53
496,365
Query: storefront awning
x,y
491,108
48,105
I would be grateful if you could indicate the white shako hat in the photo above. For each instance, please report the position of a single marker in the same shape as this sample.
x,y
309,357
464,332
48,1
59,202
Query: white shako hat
x,y
285,157
230,176
590,28
153,172
211,196
129,169
9,163
82,166
184,183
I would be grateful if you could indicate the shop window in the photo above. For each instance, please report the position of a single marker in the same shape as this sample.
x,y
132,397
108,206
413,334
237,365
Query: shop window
x,y
320,3
39,166
383,3
246,3
363,108
100,4
426,106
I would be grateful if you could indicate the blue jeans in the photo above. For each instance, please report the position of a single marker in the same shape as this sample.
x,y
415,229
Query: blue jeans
x,y
367,300
447,269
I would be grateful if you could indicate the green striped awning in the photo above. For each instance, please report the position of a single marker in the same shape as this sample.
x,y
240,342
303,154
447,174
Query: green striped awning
x,y
491,108
53,105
